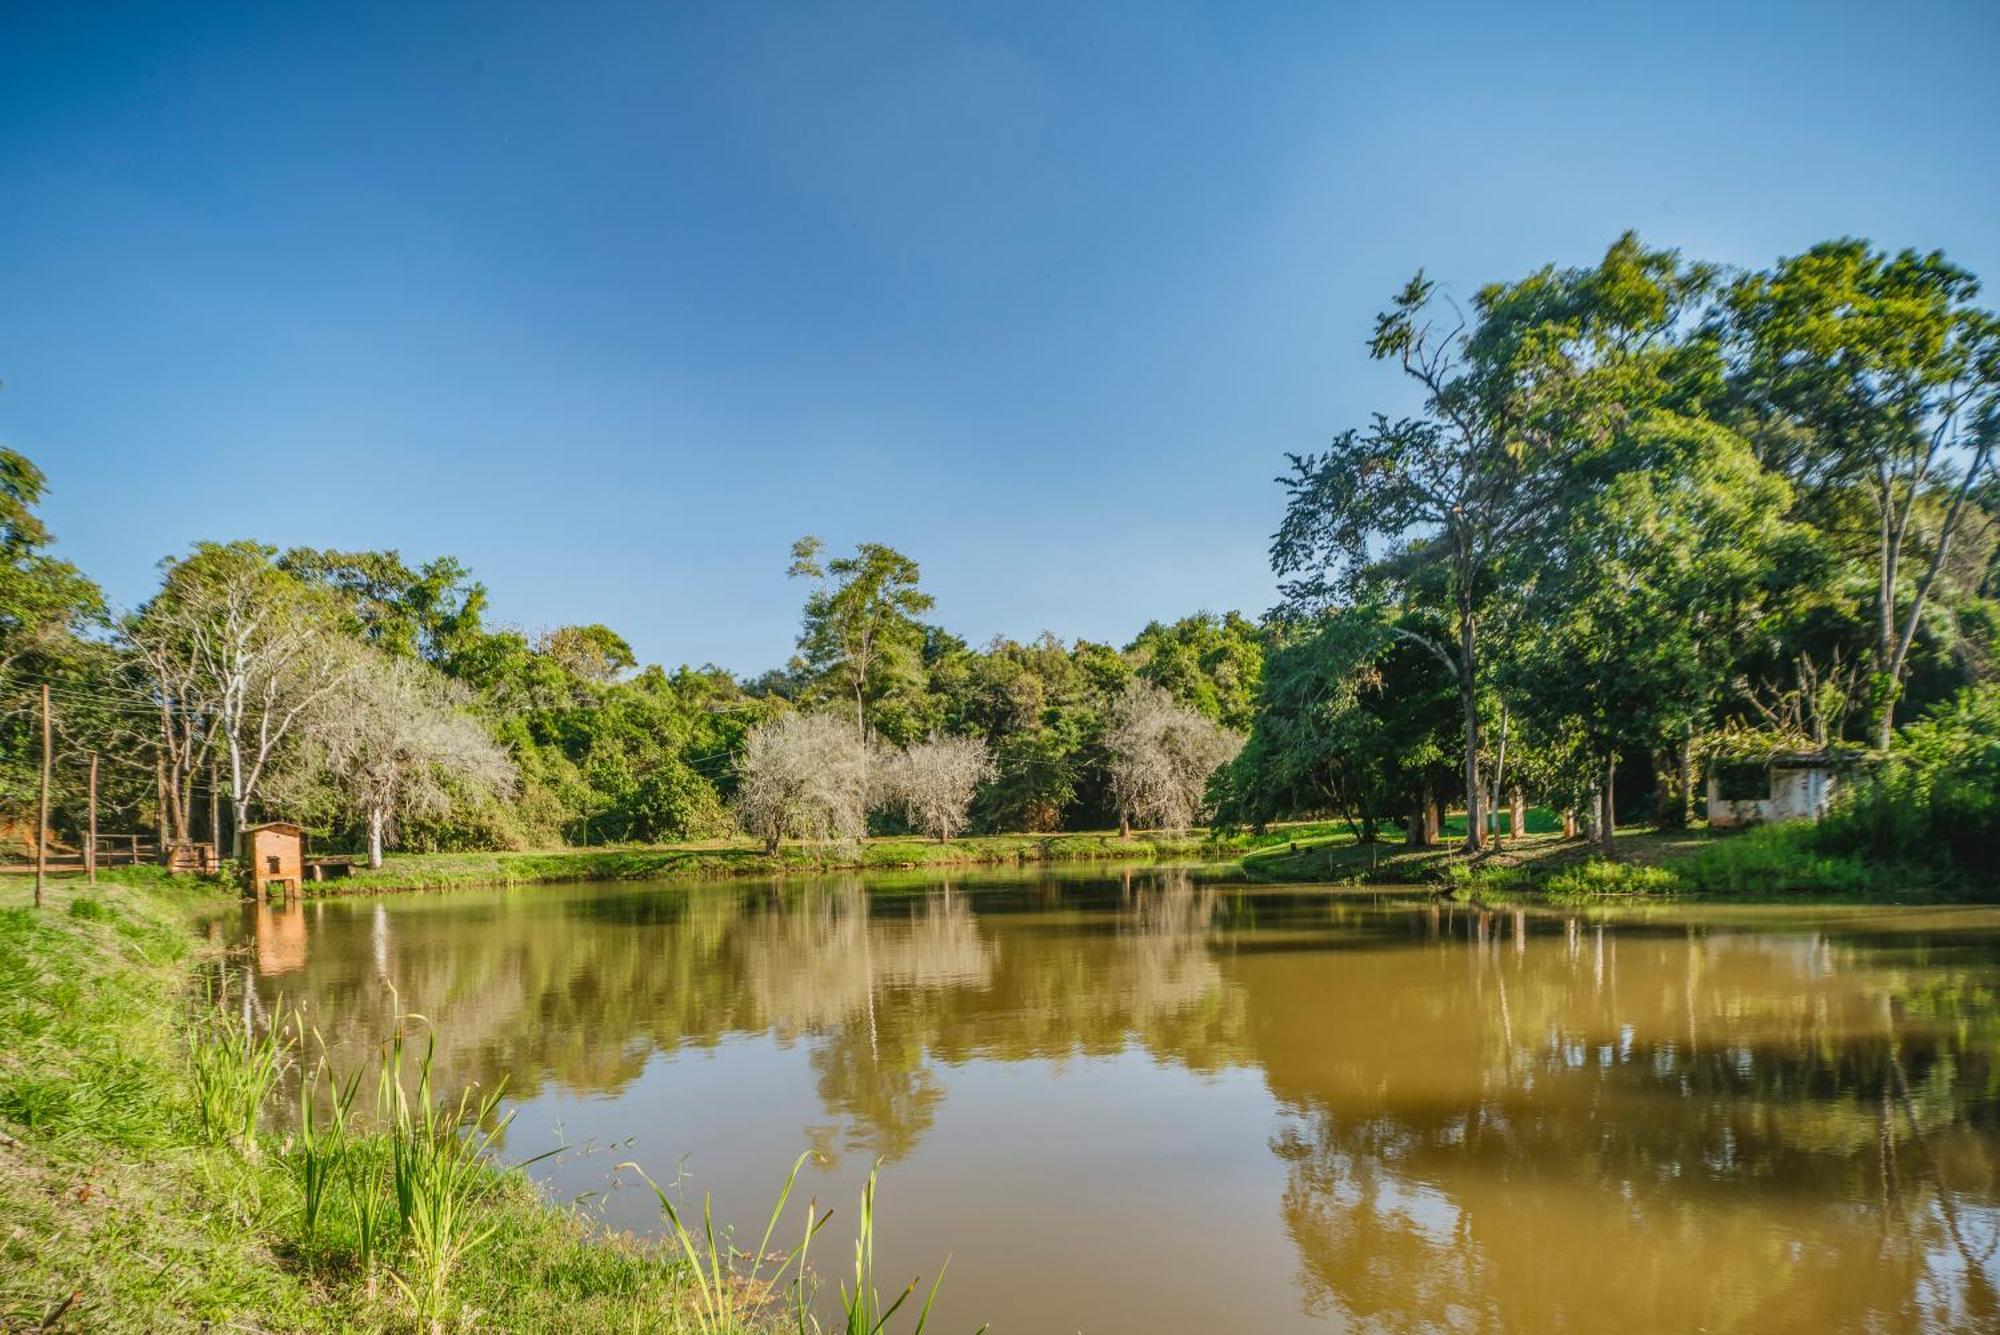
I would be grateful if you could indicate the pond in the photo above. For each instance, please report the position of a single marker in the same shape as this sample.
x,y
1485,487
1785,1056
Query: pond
x,y
1141,1101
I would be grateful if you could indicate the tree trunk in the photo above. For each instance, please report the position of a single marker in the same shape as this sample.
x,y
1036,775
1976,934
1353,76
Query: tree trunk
x,y
376,820
1434,819
1124,825
1418,831
1682,813
90,835
1607,818
164,822
1569,822
1899,651
1517,814
1468,684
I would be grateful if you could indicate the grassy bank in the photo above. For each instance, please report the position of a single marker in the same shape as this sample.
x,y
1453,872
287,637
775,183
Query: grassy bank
x,y
1769,862
718,859
134,1201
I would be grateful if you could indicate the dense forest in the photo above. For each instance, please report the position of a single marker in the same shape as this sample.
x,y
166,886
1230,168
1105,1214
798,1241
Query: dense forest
x,y
1650,516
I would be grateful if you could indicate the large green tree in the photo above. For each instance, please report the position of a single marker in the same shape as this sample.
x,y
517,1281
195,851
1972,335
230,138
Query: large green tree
x,y
1409,507
1654,572
860,631
1856,369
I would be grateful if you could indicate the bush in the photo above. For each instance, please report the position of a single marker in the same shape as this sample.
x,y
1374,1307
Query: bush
x,y
1597,878
675,803
1784,859
1936,801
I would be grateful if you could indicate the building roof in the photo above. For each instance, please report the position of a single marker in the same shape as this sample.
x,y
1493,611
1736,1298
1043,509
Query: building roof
x,y
283,826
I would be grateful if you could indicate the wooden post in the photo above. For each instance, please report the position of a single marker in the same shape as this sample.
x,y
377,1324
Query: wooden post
x,y
90,845
42,830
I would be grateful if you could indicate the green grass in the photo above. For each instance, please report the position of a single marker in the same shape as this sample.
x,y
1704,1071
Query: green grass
x,y
1763,863
716,860
123,1213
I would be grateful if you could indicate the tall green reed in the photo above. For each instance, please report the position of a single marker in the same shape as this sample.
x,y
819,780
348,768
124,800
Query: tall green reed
x,y
322,1146
438,1170
727,1294
234,1068
730,1295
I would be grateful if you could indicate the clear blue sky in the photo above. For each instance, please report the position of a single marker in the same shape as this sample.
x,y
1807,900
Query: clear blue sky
x,y
614,301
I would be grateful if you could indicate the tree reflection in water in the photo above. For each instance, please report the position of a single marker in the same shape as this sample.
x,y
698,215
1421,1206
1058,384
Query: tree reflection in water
x,y
1726,1120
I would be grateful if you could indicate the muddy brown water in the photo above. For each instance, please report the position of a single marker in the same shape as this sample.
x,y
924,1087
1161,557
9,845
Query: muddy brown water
x,y
1135,1101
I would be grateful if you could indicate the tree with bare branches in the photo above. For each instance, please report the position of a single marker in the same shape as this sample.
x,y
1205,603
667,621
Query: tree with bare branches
x,y
803,776
239,654
1162,756
398,740
933,782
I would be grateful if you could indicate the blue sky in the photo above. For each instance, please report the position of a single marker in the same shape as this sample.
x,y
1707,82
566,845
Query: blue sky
x,y
614,301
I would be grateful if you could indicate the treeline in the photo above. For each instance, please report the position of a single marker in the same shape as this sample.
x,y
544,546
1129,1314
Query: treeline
x,y
371,699
1650,516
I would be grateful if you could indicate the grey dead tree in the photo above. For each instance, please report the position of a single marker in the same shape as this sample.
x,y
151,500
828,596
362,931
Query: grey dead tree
x,y
398,740
241,656
933,783
1162,755
803,776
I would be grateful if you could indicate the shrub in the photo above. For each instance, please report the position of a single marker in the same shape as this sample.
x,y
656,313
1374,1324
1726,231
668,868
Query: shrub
x,y
1936,801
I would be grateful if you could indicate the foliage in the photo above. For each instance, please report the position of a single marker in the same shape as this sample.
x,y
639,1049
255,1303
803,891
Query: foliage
x,y
1352,718
1936,801
1212,664
860,635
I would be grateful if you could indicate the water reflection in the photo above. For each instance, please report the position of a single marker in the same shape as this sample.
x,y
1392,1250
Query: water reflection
x,y
1462,1119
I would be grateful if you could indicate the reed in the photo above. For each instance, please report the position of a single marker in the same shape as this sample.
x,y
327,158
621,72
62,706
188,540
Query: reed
x,y
732,1297
439,1170
234,1067
861,1306
320,1150
727,1296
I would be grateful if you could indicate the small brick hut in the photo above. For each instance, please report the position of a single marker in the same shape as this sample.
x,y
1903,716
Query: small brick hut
x,y
274,857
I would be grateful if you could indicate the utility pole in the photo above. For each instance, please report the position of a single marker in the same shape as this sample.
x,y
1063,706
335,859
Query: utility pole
x,y
42,830
90,843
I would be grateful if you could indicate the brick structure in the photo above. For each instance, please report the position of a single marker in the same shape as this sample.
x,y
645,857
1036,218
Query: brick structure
x,y
274,857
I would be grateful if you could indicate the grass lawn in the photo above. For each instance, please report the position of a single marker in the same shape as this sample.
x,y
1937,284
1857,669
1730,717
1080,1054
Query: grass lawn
x,y
123,1211
1756,864
716,859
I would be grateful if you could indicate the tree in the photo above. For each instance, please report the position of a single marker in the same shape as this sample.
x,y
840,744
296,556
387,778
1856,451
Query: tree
x,y
594,653
1655,573
803,776
240,655
398,740
860,628
44,603
1162,756
432,612
47,609
1210,663
1351,717
1865,369
1549,366
934,781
